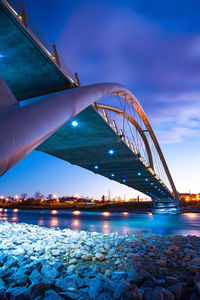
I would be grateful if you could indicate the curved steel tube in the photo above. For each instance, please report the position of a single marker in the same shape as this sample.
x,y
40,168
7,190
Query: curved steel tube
x,y
135,124
25,128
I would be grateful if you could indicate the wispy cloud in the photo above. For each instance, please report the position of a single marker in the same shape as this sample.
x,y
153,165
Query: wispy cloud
x,y
110,42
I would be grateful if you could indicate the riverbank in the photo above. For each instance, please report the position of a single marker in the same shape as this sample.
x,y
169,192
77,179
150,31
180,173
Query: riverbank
x,y
132,207
64,264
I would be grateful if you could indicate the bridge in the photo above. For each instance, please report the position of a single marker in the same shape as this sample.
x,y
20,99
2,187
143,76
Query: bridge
x,y
44,108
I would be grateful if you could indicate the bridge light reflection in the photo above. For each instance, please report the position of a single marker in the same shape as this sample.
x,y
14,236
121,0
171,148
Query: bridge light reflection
x,y
125,213
111,151
76,212
106,214
74,123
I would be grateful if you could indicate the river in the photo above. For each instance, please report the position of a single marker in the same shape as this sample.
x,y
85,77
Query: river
x,y
184,224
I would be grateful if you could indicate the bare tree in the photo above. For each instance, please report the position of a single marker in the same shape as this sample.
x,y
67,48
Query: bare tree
x,y
50,197
37,196
23,196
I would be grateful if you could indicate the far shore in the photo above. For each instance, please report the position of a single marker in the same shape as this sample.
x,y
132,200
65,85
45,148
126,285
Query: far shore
x,y
132,207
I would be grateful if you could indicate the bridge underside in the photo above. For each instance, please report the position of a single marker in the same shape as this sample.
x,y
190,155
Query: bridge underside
x,y
87,145
26,68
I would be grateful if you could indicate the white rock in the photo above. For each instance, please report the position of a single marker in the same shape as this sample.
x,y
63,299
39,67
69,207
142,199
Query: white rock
x,y
87,256
100,256
73,261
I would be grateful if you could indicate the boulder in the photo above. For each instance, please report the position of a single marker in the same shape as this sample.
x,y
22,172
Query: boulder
x,y
179,290
35,276
64,283
138,276
123,290
49,272
100,288
3,258
18,293
158,293
52,295
38,289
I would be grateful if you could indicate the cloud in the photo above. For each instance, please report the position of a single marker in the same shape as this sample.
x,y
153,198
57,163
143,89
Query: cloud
x,y
177,135
108,42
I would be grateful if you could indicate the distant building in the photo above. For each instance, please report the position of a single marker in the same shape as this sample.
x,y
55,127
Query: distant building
x,y
189,197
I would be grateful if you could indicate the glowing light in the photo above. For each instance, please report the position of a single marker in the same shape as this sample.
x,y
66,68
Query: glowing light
x,y
155,186
15,210
191,215
76,212
146,179
1,55
2,197
106,214
96,167
16,196
139,174
124,180
151,183
5,210
74,123
112,175
54,212
124,176
41,222
125,213
54,222
111,151
55,196
75,224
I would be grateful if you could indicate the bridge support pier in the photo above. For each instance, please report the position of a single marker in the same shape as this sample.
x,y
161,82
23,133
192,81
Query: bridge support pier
x,y
165,206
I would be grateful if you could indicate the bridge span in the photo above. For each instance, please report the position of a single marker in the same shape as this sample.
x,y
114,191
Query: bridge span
x,y
68,121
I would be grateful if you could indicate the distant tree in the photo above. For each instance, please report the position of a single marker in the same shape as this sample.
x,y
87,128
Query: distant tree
x,y
37,196
23,196
50,197
103,198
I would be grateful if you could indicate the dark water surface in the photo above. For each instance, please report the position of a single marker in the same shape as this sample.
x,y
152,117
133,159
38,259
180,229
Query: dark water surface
x,y
185,224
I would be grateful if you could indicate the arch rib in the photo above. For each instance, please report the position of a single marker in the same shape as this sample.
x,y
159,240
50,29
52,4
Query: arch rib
x,y
135,124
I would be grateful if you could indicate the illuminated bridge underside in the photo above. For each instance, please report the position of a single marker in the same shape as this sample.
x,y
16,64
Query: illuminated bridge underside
x,y
25,66
88,145
29,71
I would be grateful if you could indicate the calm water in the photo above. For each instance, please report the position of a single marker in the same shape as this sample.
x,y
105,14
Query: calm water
x,y
107,222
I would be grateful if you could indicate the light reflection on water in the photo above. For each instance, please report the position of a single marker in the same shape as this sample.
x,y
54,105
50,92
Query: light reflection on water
x,y
187,223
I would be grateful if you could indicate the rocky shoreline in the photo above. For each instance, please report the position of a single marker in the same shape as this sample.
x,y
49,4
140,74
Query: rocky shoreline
x,y
50,263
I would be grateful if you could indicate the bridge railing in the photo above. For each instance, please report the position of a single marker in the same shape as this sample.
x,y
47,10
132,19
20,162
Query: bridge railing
x,y
17,8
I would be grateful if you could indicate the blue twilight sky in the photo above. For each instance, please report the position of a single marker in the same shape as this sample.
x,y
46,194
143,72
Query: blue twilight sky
x,y
153,47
